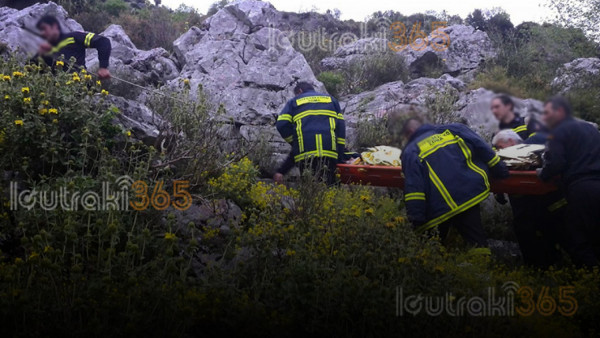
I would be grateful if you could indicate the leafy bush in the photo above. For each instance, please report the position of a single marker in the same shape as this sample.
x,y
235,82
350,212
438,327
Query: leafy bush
x,y
529,55
365,73
76,271
369,72
148,28
115,7
332,81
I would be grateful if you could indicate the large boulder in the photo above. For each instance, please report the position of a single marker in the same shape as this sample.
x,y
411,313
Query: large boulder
x,y
143,123
249,68
466,51
17,27
244,65
398,100
354,51
577,74
147,69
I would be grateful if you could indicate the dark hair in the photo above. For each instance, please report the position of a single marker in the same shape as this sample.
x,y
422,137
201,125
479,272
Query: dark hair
x,y
49,20
506,100
303,87
559,102
407,124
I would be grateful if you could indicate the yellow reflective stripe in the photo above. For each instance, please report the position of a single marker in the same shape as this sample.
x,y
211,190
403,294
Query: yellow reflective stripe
x,y
480,251
469,158
319,143
441,188
341,141
62,45
432,143
285,117
324,153
88,39
463,207
493,161
415,196
289,139
332,129
557,205
329,113
520,129
300,136
313,99
532,134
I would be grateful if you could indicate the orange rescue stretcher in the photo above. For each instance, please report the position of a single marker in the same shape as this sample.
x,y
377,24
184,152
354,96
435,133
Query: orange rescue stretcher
x,y
519,182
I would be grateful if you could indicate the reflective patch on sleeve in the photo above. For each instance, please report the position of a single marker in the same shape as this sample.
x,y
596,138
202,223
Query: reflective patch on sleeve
x,y
88,39
285,117
415,196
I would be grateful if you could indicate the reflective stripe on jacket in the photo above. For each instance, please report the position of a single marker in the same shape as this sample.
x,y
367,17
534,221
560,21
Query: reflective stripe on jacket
x,y
446,172
314,125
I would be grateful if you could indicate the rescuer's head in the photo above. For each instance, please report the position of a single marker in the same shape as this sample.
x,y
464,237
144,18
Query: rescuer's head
x,y
410,127
49,28
506,138
502,107
303,87
556,109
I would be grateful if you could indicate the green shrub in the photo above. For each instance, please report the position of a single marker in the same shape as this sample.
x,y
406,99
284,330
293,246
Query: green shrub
x,y
115,7
332,81
369,72
529,55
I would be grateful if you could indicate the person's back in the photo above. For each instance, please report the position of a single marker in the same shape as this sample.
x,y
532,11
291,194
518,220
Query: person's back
x,y
446,172
314,125
574,152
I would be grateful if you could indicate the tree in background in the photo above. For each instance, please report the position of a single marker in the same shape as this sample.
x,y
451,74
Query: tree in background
x,y
582,14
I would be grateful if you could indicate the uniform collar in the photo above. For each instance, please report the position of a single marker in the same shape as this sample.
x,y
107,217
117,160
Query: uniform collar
x,y
420,131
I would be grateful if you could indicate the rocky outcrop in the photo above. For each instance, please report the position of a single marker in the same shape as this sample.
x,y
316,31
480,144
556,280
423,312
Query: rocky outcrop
x,y
577,74
134,116
249,68
465,50
398,96
398,99
351,52
149,68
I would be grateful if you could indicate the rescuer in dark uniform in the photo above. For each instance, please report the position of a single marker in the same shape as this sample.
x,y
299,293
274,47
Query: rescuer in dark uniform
x,y
72,44
537,220
446,170
573,153
314,125
502,107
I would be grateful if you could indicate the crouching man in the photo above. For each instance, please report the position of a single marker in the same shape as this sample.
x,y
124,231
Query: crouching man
x,y
446,171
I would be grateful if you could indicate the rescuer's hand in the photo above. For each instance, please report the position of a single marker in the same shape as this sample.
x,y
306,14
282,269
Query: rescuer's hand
x,y
278,178
44,48
103,74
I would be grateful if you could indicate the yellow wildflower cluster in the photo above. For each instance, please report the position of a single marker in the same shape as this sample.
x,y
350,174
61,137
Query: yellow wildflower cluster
x,y
170,236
